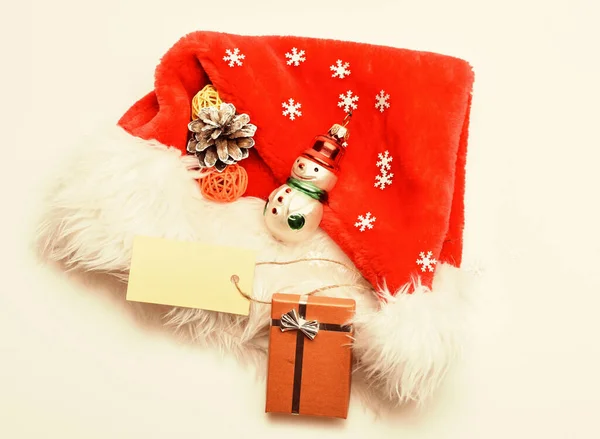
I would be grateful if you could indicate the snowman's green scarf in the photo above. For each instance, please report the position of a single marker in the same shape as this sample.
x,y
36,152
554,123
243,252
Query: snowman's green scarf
x,y
308,188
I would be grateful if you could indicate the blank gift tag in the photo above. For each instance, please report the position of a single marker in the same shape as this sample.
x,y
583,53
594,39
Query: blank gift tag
x,y
190,274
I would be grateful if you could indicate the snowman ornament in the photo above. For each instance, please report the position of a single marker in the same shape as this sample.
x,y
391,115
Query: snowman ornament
x,y
294,210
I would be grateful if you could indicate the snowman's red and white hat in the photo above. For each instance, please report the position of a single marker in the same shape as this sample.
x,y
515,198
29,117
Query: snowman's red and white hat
x,y
328,150
397,210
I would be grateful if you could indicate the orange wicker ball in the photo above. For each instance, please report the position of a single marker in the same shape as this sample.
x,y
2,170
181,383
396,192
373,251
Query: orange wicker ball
x,y
225,186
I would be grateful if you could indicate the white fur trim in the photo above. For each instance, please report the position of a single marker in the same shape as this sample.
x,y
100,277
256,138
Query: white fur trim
x,y
406,345
123,186
110,191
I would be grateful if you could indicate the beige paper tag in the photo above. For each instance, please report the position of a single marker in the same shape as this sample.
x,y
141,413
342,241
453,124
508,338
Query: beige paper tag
x,y
190,274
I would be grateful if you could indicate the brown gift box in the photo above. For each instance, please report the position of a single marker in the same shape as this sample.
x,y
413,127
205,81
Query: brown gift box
x,y
310,376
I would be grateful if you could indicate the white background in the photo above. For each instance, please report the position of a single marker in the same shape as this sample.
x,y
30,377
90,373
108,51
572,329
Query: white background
x,y
75,363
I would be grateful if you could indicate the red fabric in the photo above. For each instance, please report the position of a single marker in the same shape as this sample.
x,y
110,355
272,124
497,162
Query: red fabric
x,y
425,131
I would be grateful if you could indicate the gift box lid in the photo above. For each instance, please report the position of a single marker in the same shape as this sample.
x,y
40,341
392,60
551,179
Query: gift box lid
x,y
331,310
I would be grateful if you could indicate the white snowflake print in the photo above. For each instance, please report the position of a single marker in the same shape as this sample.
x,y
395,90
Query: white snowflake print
x,y
384,161
340,69
381,101
365,222
295,57
426,261
383,179
234,57
347,101
292,109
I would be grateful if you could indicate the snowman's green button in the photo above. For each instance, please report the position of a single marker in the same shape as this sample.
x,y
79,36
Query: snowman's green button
x,y
296,221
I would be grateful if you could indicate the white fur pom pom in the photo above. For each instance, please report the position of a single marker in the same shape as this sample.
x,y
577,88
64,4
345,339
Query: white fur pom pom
x,y
405,347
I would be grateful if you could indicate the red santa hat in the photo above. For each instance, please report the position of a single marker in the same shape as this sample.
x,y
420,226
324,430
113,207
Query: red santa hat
x,y
397,208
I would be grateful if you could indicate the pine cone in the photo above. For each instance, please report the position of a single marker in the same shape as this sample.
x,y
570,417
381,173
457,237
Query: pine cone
x,y
220,137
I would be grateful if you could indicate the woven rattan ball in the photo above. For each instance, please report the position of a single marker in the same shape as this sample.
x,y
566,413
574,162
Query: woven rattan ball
x,y
226,186
207,97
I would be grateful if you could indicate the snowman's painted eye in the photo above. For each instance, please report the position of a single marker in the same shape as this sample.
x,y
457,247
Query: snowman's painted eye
x,y
274,210
316,169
